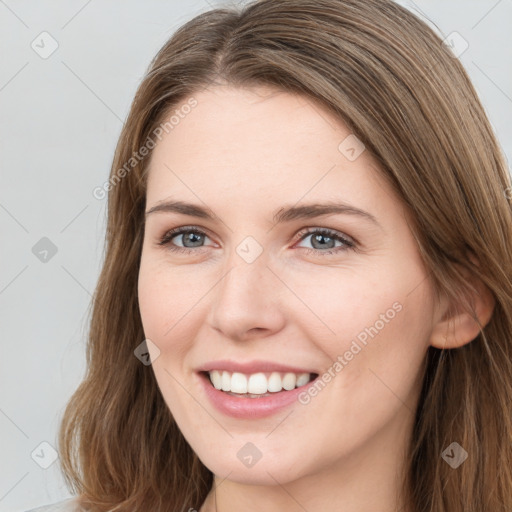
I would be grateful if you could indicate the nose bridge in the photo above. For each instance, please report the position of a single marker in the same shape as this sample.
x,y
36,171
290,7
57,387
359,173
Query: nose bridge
x,y
247,281
247,296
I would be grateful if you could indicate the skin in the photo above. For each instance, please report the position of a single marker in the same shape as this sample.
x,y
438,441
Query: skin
x,y
245,153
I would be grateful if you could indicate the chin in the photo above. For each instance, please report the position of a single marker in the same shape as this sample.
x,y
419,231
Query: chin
x,y
266,471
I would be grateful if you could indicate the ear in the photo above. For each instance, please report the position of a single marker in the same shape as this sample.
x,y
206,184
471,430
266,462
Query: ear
x,y
457,326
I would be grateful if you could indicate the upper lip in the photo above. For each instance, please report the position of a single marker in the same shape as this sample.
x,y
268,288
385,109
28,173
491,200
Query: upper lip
x,y
250,367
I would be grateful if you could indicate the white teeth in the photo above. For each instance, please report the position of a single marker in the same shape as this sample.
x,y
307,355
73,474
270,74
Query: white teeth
x,y
238,383
302,379
216,379
289,381
257,383
226,381
275,383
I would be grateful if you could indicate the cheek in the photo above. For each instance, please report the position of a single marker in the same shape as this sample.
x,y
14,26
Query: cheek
x,y
166,302
160,311
376,357
153,302
167,317
378,318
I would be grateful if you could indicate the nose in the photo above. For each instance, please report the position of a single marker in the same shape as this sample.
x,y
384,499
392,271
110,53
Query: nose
x,y
247,302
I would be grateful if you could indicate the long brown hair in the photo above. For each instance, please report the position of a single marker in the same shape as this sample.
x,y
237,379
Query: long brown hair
x,y
388,76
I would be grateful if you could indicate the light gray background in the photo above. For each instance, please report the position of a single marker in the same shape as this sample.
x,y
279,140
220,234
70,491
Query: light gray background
x,y
60,119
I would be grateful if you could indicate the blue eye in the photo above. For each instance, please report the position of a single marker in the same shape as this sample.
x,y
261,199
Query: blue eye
x,y
323,239
197,234
322,234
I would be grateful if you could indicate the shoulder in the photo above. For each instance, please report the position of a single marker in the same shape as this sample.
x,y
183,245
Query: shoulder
x,y
68,505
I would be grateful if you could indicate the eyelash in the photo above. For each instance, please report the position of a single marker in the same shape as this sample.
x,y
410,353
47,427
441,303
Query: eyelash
x,y
349,243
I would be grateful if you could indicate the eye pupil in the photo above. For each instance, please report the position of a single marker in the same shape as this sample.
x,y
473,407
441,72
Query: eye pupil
x,y
318,237
190,235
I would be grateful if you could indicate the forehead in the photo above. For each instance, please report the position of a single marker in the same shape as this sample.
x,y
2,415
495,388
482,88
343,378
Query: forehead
x,y
252,146
244,117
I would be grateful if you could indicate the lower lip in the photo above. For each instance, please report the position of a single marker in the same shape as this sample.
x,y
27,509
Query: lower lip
x,y
250,408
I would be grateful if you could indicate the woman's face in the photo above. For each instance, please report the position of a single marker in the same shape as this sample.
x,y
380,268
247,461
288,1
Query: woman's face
x,y
251,295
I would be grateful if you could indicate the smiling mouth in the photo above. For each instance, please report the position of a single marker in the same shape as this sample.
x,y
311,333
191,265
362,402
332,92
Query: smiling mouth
x,y
257,385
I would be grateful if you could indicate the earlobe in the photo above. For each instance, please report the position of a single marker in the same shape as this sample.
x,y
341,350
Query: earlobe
x,y
458,326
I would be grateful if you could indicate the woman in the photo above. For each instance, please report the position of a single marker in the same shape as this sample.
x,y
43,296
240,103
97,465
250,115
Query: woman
x,y
306,299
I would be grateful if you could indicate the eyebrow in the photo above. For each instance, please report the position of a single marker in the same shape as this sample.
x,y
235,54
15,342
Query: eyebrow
x,y
284,214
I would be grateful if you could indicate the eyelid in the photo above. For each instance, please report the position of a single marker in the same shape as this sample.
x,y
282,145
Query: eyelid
x,y
327,231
